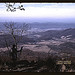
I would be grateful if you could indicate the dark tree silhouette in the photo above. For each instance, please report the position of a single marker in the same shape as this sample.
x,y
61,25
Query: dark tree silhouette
x,y
14,52
15,30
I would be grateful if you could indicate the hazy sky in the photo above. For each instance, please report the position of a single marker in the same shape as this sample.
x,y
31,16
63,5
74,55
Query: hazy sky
x,y
40,12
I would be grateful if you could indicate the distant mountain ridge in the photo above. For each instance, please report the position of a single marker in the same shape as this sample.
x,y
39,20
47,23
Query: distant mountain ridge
x,y
46,25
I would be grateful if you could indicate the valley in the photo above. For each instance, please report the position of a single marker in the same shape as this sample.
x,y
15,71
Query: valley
x,y
39,46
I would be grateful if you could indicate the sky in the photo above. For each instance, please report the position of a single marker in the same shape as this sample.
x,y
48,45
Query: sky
x,y
39,12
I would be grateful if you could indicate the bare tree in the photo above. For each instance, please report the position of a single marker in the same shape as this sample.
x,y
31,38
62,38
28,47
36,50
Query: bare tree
x,y
16,32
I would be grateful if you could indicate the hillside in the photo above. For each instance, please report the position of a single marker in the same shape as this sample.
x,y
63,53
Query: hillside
x,y
50,34
26,54
67,47
10,41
